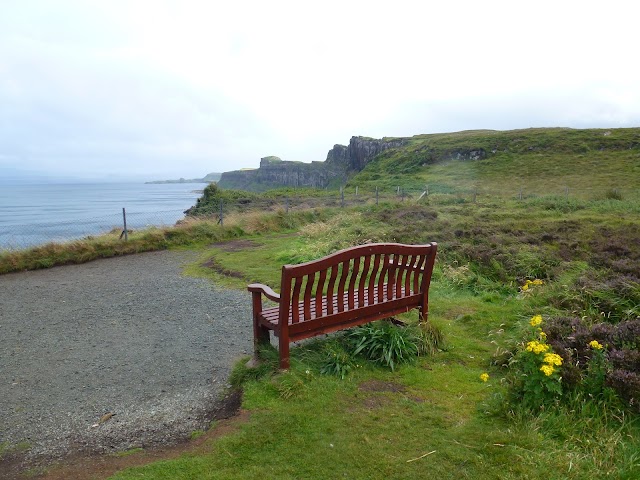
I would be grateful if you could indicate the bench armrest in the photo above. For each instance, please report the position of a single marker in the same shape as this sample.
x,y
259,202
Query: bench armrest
x,y
265,290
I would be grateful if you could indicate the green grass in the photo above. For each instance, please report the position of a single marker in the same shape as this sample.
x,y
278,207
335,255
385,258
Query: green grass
x,y
434,417
307,425
381,424
536,162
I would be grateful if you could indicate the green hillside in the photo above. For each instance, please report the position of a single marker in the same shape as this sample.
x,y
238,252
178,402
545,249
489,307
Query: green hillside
x,y
529,365
543,161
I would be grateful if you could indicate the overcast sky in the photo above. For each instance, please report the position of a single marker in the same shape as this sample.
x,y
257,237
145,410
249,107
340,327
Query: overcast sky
x,y
168,89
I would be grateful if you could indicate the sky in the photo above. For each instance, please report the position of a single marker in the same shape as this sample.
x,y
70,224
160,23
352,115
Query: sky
x,y
151,90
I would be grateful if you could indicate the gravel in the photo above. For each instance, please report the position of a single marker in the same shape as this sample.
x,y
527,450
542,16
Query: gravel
x,y
114,354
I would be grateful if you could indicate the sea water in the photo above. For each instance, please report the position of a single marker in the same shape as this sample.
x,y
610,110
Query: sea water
x,y
34,214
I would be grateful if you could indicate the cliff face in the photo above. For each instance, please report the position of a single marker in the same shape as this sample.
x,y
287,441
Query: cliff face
x,y
341,161
362,150
274,172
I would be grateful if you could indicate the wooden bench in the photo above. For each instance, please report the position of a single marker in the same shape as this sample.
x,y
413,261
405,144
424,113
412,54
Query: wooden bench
x,y
348,288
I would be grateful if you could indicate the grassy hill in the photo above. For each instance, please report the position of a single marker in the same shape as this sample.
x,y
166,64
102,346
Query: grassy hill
x,y
540,161
502,261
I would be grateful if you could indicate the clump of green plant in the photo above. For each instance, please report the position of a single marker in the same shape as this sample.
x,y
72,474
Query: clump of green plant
x,y
613,194
429,339
385,343
534,379
602,359
288,384
337,361
336,233
265,366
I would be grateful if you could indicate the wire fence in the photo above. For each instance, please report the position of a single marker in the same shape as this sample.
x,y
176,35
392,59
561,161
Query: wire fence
x,y
20,236
121,223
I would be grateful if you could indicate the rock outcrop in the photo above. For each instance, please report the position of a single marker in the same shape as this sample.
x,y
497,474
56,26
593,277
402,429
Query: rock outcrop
x,y
274,172
341,161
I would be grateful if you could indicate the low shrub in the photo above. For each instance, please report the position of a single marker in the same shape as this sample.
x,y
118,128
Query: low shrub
x,y
337,361
535,371
385,343
600,356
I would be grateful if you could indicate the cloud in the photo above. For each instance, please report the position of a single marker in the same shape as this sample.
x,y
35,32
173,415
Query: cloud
x,y
179,89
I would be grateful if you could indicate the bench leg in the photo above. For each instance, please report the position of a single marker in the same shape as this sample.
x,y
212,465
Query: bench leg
x,y
283,348
260,336
260,332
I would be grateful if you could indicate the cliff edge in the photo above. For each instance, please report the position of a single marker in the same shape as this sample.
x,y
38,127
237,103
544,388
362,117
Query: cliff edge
x,y
341,161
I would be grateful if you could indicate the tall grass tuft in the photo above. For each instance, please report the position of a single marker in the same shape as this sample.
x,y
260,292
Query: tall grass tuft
x,y
385,343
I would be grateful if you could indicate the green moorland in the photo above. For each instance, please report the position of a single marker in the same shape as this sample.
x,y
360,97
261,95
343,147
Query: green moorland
x,y
516,279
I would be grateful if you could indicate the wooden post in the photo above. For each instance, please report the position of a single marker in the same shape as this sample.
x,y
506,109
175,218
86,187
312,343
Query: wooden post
x,y
342,196
221,220
286,205
520,193
427,191
398,190
356,191
566,192
124,219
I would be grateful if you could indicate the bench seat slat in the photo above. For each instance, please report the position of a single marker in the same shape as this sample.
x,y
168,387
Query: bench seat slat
x,y
270,316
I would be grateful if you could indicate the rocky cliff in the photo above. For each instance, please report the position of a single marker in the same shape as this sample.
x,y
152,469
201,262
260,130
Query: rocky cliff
x,y
342,160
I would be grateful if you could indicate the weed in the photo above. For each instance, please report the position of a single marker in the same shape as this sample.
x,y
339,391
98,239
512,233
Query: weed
x,y
429,339
266,366
385,343
337,361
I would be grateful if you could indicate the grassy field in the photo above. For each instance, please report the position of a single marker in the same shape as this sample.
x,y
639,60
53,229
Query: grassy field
x,y
435,416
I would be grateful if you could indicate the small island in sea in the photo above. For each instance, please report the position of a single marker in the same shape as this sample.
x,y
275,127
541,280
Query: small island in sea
x,y
208,178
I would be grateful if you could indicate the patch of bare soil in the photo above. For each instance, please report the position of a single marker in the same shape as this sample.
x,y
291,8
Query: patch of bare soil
x,y
216,267
380,386
236,245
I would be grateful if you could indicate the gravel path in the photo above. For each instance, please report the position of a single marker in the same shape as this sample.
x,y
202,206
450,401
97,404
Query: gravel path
x,y
127,336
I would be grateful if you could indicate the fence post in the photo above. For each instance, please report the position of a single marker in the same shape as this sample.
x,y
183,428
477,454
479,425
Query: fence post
x,y
342,196
427,190
566,192
221,220
356,191
124,219
376,195
286,205
520,193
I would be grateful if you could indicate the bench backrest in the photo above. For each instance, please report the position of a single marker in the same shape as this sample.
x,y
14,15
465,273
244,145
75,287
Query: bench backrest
x,y
356,278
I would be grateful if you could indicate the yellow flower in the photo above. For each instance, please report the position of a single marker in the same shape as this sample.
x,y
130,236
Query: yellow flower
x,y
552,359
537,347
535,320
525,287
543,336
484,377
595,345
547,369
537,281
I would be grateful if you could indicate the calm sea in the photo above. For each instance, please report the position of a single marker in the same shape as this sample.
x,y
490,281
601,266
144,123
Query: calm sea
x,y
36,214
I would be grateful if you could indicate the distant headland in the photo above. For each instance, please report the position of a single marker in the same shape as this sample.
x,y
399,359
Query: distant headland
x,y
208,178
